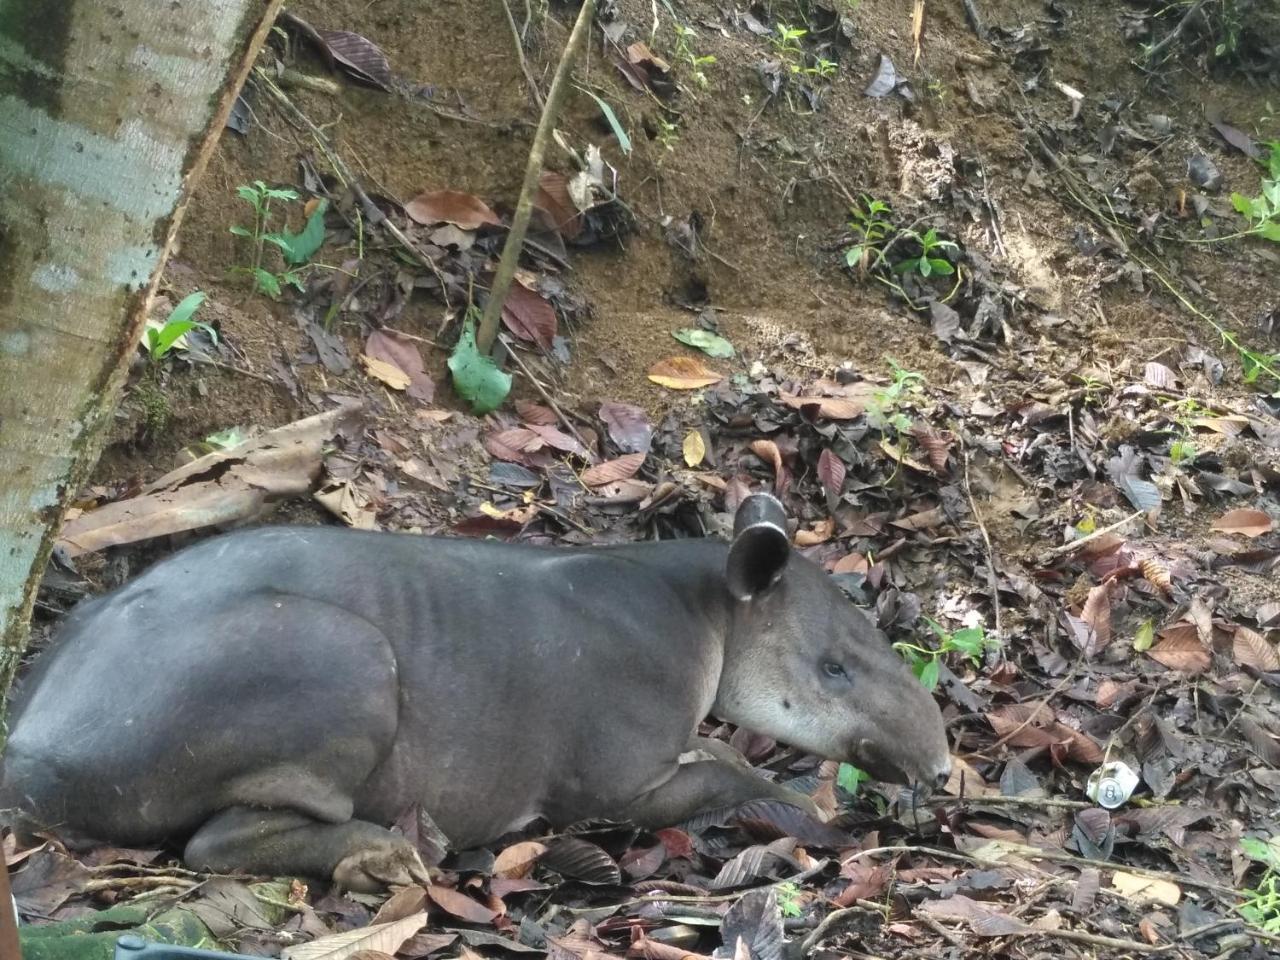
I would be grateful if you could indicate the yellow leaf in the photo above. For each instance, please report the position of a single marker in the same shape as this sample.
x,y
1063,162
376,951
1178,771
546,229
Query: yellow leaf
x,y
1145,888
388,373
694,448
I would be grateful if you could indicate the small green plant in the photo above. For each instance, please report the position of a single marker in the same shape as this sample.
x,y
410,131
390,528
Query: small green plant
x,y
1261,906
1182,448
295,248
870,231
786,44
790,901
668,133
161,339
925,662
849,778
932,259
686,52
1263,211
883,411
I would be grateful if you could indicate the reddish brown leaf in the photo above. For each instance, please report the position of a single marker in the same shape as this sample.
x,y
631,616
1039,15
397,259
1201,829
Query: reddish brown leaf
x,y
1251,649
768,451
639,863
628,426
559,440
1247,523
513,444
531,412
463,210
935,444
924,520
405,902
851,563
1033,725
831,471
677,842
623,468
401,352
553,197
829,408
361,57
1181,650
529,316
460,905
867,882
518,859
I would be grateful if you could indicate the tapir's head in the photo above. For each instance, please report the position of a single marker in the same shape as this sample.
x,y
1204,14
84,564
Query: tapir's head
x,y
804,665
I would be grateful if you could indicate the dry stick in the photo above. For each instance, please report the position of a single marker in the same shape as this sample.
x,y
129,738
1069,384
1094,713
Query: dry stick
x,y
532,171
542,391
993,584
1159,48
524,64
1077,544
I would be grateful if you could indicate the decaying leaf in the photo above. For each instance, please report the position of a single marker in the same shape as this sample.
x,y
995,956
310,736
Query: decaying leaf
x,y
1182,651
581,860
1157,574
831,471
460,905
628,425
518,859
1251,649
222,487
1146,889
694,448
623,468
683,373
388,373
768,451
529,315
829,408
463,210
1097,614
1247,523
395,348
385,937
359,56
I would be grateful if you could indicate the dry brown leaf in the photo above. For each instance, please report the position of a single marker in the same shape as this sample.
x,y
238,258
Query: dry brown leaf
x,y
852,563
924,520
694,448
1159,376
512,444
1145,889
935,444
518,859
460,905
387,372
1251,649
831,471
401,352
529,315
405,902
623,468
464,210
385,937
1157,574
683,373
1231,425
1097,614
1033,725
531,412
894,452
768,451
1247,523
829,408
553,197
1181,650
820,532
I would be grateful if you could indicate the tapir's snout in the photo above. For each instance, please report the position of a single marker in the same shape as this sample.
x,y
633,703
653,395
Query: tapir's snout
x,y
925,770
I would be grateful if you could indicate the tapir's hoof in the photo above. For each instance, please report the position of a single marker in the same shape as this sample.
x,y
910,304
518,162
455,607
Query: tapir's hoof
x,y
382,864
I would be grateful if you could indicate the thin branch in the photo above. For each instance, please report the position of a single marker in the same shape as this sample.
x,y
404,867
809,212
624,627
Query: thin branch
x,y
542,392
533,171
524,64
1077,544
1176,32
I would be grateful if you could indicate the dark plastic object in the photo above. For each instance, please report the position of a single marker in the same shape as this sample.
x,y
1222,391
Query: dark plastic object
x,y
130,947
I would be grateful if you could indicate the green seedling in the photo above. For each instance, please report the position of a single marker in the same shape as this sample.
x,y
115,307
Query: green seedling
x,y
162,339
925,662
790,902
871,232
932,259
1182,448
786,44
668,133
1261,903
686,53
1263,211
883,410
296,249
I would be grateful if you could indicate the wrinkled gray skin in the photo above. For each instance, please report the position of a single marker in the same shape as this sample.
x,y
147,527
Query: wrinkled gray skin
x,y
275,697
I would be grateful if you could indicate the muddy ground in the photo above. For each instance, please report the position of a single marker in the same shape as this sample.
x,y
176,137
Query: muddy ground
x,y
1073,369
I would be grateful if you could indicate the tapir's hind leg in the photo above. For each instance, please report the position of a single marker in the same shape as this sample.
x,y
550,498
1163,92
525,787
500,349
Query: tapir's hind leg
x,y
358,855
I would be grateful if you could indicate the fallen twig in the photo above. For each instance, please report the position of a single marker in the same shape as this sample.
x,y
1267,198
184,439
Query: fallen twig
x,y
1176,32
543,392
524,64
488,331
1077,544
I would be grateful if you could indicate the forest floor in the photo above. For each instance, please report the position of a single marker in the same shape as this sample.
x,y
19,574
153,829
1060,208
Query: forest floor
x,y
1093,353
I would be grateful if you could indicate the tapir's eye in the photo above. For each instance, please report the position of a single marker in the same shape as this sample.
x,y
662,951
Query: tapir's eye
x,y
834,670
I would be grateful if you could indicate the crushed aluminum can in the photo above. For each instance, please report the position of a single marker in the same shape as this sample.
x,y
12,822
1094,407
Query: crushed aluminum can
x,y
1112,784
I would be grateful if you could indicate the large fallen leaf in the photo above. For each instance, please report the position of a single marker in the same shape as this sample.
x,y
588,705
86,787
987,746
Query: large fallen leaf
x,y
581,860
1251,649
694,448
1182,651
529,315
1247,523
1033,725
395,348
709,343
623,468
518,859
238,484
829,408
628,425
831,471
464,210
460,905
385,937
1097,614
985,920
475,376
360,56
683,373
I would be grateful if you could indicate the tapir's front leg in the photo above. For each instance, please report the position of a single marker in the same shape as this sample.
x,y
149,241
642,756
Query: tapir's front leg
x,y
358,855
721,779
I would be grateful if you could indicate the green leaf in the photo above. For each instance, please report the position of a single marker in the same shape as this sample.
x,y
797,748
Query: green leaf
x,y
706,341
1243,205
849,777
929,675
241,231
160,342
281,194
279,239
248,193
186,307
941,266
969,641
226,439
294,279
265,281
475,376
303,246
1145,636
1270,231
906,266
925,266
624,141
853,256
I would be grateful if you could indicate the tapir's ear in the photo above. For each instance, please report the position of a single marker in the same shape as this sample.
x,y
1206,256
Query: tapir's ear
x,y
760,549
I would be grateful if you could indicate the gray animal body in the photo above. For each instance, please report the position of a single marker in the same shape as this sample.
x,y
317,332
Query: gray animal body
x,y
273,699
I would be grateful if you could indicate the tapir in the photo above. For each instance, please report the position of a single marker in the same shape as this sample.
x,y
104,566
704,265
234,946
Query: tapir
x,y
270,700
